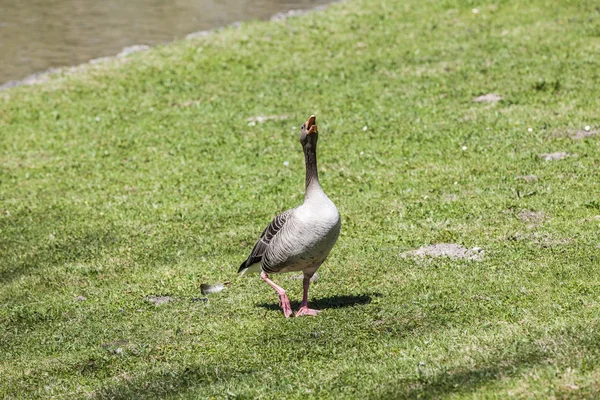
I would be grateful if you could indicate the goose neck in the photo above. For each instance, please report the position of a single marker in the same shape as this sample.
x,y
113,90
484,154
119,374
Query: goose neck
x,y
312,175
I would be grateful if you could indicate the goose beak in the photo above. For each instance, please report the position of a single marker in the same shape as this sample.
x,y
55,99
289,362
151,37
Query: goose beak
x,y
311,125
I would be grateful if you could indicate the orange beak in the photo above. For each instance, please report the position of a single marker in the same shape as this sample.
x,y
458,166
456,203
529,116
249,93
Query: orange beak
x,y
311,125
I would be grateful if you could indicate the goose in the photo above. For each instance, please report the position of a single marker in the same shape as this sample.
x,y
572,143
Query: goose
x,y
301,238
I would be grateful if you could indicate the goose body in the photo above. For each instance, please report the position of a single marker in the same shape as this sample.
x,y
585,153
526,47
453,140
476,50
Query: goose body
x,y
303,241
301,238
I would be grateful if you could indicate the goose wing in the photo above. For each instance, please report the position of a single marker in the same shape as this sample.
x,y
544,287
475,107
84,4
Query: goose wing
x,y
256,256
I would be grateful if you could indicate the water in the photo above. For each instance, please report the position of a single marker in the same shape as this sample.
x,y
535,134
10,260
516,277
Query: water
x,y
36,35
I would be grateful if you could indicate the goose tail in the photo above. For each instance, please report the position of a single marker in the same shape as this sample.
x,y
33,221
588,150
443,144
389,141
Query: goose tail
x,y
246,269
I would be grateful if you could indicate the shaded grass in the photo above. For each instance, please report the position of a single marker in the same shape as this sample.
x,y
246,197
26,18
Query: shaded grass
x,y
144,178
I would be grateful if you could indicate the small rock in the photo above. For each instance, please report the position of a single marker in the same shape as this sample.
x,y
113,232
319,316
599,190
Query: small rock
x,y
80,298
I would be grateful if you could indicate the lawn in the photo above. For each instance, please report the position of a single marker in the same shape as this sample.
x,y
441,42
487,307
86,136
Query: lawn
x,y
144,177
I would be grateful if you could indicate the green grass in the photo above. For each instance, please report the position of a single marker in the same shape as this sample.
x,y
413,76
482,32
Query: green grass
x,y
143,178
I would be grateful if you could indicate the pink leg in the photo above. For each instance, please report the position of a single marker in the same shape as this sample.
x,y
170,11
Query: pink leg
x,y
284,302
304,310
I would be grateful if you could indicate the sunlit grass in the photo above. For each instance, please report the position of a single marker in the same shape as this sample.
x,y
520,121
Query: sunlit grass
x,y
145,178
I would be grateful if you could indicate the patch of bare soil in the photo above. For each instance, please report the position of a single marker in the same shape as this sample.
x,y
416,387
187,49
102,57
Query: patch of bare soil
x,y
487,98
158,300
187,103
450,197
535,217
546,240
450,250
576,134
582,134
542,239
527,178
559,155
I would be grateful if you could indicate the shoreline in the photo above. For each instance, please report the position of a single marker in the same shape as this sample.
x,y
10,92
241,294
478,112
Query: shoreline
x,y
43,76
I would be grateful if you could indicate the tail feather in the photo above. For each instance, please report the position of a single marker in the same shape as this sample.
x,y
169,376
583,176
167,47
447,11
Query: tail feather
x,y
245,268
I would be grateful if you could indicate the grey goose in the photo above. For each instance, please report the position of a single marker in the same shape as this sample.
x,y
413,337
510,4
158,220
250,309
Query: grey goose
x,y
299,239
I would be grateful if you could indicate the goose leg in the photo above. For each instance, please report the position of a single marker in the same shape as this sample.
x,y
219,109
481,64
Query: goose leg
x,y
284,301
304,310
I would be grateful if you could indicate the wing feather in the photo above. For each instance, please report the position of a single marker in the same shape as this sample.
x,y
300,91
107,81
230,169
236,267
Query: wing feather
x,y
259,249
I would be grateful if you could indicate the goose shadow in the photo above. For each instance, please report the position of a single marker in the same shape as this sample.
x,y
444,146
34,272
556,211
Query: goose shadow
x,y
323,303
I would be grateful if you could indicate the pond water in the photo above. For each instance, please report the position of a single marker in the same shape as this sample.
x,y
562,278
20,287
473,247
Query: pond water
x,y
36,35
